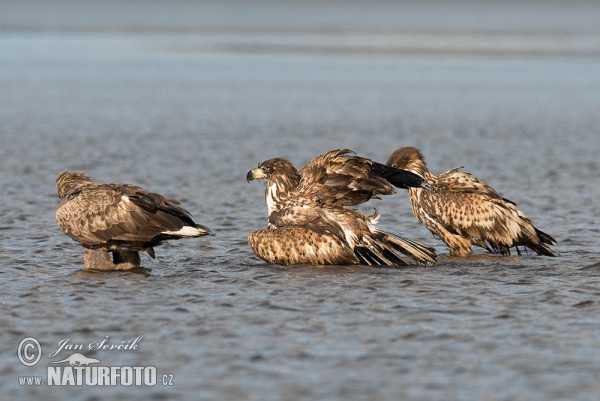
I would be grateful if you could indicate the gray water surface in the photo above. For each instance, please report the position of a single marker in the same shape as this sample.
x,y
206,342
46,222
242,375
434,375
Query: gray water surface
x,y
187,114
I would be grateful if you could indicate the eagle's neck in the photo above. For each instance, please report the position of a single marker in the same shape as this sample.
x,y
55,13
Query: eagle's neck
x,y
279,190
71,183
429,177
420,168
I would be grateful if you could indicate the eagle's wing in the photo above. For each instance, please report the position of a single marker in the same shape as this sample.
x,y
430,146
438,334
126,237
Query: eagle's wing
x,y
457,181
308,232
339,177
374,246
467,206
104,212
310,217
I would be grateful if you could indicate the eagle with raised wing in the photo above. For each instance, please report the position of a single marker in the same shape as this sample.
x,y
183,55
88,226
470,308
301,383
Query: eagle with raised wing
x,y
309,221
464,211
121,219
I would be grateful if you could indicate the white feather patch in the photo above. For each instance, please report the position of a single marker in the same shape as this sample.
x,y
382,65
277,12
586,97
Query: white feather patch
x,y
270,194
349,235
186,231
126,204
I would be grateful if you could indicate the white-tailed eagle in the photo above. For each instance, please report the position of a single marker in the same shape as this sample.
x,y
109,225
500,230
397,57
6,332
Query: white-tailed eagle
x,y
309,221
120,219
464,211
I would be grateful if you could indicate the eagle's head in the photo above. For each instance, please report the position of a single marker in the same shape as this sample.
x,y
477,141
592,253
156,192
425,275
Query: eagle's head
x,y
69,182
281,178
276,170
408,158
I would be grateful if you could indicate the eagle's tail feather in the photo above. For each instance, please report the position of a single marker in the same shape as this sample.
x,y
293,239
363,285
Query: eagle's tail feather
x,y
544,238
420,253
543,249
364,256
378,256
187,231
545,246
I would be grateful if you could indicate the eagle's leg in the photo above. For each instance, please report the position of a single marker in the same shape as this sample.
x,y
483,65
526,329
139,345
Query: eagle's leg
x,y
124,260
100,259
97,259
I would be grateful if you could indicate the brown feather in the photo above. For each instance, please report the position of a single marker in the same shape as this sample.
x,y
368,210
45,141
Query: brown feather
x,y
464,211
309,219
337,177
118,216
299,245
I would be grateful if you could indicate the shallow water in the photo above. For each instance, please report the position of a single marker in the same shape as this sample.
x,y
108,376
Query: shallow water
x,y
188,119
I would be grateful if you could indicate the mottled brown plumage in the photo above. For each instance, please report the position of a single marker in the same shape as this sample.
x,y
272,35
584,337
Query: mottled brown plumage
x,y
119,218
464,211
309,220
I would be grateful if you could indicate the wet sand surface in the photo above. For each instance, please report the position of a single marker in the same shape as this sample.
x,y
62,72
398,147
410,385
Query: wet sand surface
x,y
186,106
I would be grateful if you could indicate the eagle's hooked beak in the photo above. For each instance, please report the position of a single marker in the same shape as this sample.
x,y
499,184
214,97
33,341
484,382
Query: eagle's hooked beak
x,y
255,174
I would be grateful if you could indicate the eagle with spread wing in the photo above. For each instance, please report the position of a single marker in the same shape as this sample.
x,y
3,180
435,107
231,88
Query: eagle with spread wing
x,y
464,211
120,219
309,220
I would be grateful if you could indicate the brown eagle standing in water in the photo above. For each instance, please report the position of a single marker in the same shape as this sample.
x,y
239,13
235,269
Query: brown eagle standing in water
x,y
464,211
309,220
118,218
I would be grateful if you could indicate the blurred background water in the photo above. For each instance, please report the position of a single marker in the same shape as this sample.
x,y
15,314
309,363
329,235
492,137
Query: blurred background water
x,y
184,97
